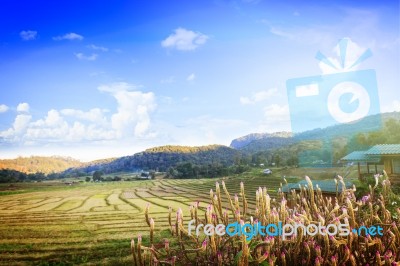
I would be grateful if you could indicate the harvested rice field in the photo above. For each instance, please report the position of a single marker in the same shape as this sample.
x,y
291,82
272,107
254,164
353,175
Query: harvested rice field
x,y
92,223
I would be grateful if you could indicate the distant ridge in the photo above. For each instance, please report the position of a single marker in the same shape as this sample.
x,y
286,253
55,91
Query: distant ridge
x,y
183,149
245,140
256,142
242,148
163,157
34,164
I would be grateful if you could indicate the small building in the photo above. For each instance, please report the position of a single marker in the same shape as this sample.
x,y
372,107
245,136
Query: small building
x,y
389,154
386,155
328,188
267,171
145,175
364,163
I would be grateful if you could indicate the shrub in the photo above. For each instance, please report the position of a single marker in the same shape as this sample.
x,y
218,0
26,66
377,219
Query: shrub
x,y
310,207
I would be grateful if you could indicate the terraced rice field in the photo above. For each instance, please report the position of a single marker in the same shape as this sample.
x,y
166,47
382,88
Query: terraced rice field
x,y
93,223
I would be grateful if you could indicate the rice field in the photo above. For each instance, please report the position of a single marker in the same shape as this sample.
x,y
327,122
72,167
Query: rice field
x,y
93,223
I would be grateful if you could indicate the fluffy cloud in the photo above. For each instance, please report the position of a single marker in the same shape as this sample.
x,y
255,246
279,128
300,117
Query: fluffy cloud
x,y
191,77
3,108
95,115
28,35
184,40
131,120
52,128
19,125
69,36
258,96
82,56
21,122
134,109
23,107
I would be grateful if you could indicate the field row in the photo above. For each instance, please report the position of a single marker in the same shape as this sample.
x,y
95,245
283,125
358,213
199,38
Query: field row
x,y
72,225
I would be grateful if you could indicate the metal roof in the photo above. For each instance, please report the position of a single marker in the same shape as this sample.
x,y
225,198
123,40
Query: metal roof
x,y
384,149
355,156
325,185
360,156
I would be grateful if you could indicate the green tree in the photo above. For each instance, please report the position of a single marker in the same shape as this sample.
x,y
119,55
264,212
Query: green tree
x,y
97,175
293,160
277,160
88,179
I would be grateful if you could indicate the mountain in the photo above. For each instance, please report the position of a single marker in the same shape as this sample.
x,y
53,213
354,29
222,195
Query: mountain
x,y
273,137
326,145
164,157
41,164
257,142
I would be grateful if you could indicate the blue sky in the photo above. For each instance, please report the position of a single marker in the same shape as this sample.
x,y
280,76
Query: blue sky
x,y
97,79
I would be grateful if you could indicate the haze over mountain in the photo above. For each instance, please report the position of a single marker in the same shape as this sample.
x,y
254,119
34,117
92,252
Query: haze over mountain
x,y
256,142
245,140
246,149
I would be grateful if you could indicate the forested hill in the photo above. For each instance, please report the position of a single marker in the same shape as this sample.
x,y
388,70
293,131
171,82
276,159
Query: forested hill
x,y
164,157
253,143
184,149
245,140
41,164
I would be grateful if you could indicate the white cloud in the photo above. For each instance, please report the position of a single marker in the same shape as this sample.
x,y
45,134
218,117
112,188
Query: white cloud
x,y
21,122
53,118
3,108
52,128
28,35
23,107
134,109
191,77
99,48
132,120
277,118
69,36
258,96
133,113
95,115
184,40
82,56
